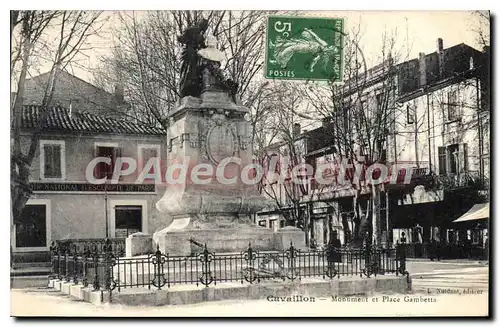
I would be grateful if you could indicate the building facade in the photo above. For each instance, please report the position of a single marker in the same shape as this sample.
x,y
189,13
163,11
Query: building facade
x,y
439,125
444,127
68,201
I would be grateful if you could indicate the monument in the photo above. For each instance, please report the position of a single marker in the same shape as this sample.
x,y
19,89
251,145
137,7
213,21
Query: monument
x,y
209,136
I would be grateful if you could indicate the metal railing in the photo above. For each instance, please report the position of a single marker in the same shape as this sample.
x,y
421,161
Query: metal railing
x,y
81,245
445,251
103,270
459,180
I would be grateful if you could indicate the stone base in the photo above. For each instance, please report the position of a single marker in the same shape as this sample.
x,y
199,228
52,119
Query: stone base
x,y
226,240
138,244
305,290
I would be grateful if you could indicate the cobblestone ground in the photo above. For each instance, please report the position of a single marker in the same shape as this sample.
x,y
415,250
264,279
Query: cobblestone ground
x,y
464,292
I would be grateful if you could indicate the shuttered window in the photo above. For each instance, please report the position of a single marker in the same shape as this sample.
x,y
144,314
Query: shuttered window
x,y
453,159
52,159
442,160
453,105
102,169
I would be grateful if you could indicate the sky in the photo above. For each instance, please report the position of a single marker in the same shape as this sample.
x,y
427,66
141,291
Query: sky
x,y
416,31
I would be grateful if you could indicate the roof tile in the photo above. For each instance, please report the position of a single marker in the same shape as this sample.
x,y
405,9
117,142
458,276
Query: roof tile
x,y
61,120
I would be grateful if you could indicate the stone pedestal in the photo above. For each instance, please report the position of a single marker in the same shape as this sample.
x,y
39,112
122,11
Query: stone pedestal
x,y
208,137
138,244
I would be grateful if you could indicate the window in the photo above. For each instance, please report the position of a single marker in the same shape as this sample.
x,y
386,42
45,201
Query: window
x,y
409,114
453,159
32,230
380,100
52,159
272,224
128,220
109,150
145,153
442,160
128,217
453,106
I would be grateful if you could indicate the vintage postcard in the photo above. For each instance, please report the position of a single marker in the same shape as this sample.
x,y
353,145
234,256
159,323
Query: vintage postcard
x,y
250,163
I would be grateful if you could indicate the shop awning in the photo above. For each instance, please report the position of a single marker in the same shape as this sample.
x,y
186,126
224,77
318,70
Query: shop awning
x,y
478,211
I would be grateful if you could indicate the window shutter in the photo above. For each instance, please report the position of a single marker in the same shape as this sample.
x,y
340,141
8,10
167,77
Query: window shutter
x,y
117,153
56,163
97,168
442,160
462,154
47,151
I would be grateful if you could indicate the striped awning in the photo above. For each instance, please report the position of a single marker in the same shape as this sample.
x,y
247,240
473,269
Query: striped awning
x,y
477,212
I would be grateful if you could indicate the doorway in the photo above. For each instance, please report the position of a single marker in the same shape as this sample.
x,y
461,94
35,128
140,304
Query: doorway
x,y
128,220
128,217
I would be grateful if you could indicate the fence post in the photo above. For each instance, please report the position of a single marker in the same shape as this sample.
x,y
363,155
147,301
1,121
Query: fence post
x,y
249,256
75,264
85,256
292,255
108,249
368,260
96,268
66,263
159,260
59,261
55,263
205,258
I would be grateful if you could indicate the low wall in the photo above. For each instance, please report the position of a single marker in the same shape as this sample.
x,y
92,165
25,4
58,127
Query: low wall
x,y
306,289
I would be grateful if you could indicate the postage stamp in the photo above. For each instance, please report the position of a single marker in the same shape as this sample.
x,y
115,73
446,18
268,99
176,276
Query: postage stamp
x,y
304,48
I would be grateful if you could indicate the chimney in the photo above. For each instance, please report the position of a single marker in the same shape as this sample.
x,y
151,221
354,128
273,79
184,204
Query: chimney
x,y
422,68
74,106
119,93
296,130
440,52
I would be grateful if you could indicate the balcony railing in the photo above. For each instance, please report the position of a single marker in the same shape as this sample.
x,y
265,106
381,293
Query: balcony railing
x,y
460,180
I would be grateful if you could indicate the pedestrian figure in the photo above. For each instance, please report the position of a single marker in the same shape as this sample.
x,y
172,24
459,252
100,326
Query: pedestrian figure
x,y
332,253
336,245
403,238
433,250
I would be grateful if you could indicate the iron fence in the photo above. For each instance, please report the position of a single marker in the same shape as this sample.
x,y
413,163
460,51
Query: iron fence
x,y
103,270
92,245
445,251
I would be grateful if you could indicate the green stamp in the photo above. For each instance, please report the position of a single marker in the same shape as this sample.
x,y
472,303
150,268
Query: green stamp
x,y
304,48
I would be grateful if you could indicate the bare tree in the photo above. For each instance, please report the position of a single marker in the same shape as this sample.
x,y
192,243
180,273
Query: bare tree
x,y
54,35
288,188
361,123
146,58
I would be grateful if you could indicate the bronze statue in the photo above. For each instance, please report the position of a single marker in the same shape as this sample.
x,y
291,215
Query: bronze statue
x,y
193,40
200,70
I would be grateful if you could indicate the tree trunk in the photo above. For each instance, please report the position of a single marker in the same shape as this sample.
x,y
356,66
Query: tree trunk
x,y
19,167
376,230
